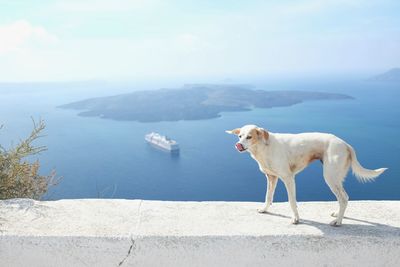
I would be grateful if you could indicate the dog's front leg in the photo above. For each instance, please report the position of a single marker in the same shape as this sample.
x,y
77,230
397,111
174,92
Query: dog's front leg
x,y
290,185
269,195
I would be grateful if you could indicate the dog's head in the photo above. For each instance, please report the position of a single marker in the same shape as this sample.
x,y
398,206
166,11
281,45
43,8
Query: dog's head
x,y
249,136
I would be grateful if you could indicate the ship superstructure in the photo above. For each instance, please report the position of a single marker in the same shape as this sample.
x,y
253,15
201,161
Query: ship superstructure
x,y
162,142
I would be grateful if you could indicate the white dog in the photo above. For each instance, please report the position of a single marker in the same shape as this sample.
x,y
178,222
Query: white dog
x,y
285,155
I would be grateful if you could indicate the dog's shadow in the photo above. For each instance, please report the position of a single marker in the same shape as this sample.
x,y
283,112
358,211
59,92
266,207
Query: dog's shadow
x,y
366,229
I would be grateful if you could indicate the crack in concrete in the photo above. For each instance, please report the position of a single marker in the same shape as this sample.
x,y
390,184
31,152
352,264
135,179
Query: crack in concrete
x,y
129,252
133,245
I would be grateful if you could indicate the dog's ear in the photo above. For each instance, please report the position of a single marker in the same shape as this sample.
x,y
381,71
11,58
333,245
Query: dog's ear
x,y
263,134
234,131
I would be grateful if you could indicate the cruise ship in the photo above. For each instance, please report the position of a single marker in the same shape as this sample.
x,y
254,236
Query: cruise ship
x,y
161,141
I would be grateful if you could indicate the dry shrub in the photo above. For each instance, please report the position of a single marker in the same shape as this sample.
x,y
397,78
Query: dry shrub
x,y
20,178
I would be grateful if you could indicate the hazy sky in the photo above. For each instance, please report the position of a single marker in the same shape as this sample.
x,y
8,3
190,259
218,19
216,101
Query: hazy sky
x,y
156,39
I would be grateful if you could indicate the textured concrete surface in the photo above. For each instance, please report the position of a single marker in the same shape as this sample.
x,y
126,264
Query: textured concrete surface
x,y
160,233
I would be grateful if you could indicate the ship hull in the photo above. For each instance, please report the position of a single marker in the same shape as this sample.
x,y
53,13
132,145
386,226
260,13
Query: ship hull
x,y
161,148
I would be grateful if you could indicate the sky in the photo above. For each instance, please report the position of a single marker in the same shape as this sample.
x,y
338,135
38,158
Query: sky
x,y
64,40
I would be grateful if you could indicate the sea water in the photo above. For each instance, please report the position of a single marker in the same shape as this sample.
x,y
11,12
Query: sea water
x,y
110,159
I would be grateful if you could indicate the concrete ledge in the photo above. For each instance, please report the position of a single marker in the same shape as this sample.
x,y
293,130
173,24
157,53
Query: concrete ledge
x,y
160,233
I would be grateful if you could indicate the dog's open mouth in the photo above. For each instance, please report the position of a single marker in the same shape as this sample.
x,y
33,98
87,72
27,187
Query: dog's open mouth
x,y
240,147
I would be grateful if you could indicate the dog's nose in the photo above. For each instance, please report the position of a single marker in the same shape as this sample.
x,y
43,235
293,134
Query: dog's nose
x,y
239,146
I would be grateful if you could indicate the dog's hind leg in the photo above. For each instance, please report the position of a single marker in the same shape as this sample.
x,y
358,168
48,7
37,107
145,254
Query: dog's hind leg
x,y
290,185
269,195
342,198
335,171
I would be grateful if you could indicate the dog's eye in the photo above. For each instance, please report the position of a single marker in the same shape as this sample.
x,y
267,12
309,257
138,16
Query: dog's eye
x,y
248,137
240,136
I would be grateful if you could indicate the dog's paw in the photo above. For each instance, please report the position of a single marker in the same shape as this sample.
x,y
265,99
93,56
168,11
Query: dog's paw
x,y
295,221
334,214
263,210
336,222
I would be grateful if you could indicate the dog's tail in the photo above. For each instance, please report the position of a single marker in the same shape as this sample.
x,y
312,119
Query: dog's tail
x,y
362,174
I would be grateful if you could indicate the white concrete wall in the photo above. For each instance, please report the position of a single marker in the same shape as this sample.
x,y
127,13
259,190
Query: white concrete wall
x,y
157,233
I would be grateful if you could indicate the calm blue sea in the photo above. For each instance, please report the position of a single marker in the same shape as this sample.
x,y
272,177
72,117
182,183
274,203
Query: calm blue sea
x,y
109,159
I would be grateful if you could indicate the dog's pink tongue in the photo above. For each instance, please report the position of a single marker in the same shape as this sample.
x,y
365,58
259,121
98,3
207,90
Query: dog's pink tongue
x,y
239,147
